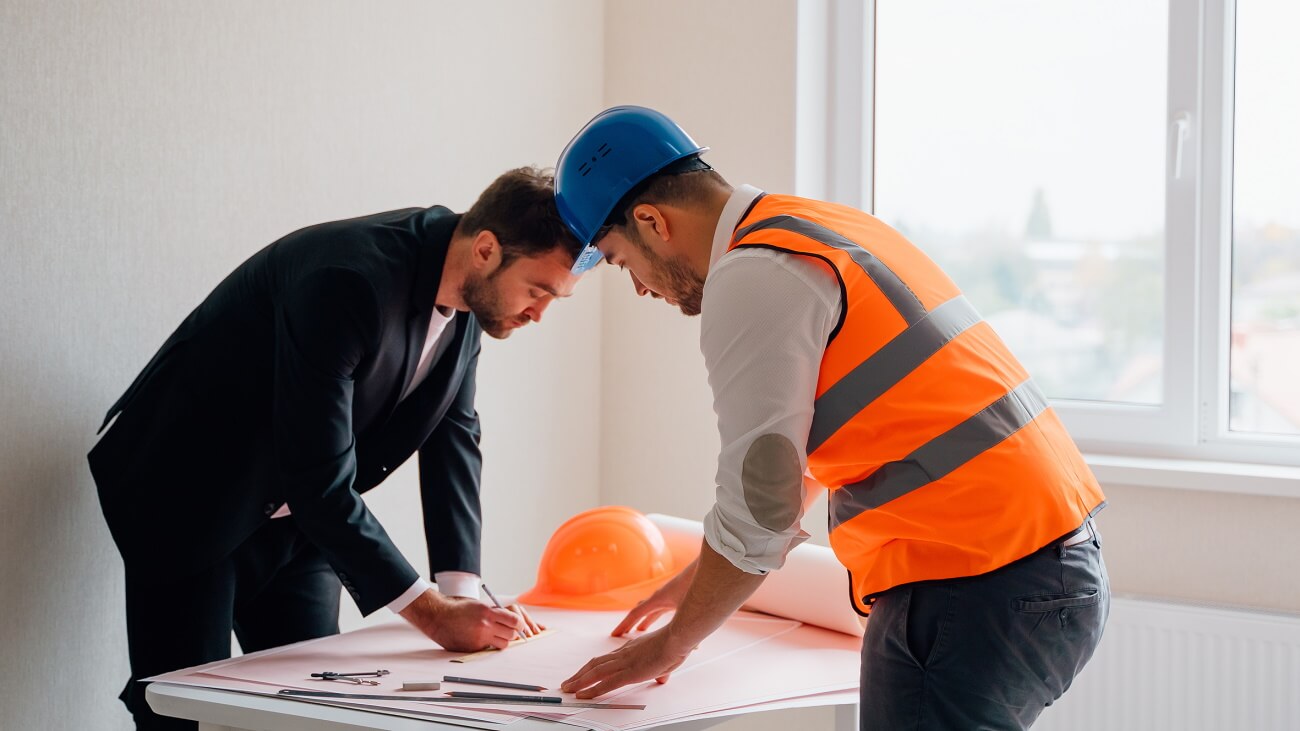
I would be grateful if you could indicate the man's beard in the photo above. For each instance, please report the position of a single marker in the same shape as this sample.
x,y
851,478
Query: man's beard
x,y
484,300
680,281
687,287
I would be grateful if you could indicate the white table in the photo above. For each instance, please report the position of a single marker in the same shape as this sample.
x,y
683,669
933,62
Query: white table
x,y
222,710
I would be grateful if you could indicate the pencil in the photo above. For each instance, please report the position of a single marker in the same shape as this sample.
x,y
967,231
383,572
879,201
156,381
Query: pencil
x,y
494,683
507,697
493,597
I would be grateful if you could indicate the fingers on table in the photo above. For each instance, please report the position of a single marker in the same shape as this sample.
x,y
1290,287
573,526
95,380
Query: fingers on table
x,y
586,675
613,682
641,611
640,618
607,676
651,618
531,627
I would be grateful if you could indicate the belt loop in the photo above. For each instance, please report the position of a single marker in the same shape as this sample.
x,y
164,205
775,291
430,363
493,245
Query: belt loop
x,y
1092,530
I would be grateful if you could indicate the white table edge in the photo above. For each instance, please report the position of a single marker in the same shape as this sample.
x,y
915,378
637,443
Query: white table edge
x,y
218,710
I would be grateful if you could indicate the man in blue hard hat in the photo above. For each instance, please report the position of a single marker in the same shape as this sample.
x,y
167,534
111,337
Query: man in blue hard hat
x,y
840,354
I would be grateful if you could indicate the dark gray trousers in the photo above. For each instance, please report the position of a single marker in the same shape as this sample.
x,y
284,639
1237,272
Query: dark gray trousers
x,y
984,652
274,589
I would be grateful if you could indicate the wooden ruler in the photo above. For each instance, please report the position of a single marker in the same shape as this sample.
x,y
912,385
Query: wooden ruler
x,y
492,650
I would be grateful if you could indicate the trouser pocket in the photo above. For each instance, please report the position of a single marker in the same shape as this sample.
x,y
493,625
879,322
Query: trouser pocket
x,y
1053,602
929,609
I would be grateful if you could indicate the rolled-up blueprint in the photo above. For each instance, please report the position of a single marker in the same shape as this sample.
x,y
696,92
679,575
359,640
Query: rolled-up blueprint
x,y
812,587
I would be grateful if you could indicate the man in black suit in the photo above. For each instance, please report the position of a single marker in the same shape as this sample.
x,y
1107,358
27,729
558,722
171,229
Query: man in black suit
x,y
232,476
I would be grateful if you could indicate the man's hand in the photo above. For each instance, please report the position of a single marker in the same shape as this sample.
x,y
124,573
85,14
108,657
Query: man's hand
x,y
715,590
654,655
665,600
531,626
462,625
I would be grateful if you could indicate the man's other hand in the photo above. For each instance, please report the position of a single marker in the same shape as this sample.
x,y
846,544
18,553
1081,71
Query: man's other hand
x,y
663,601
654,655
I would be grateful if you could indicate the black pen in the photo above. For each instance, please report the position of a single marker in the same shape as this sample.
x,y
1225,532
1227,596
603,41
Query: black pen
x,y
507,697
493,683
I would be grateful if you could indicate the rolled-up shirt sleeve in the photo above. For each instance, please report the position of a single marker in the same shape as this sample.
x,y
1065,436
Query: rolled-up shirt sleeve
x,y
766,319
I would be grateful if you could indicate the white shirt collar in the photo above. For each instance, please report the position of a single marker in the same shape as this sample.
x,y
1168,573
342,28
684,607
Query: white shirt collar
x,y
739,202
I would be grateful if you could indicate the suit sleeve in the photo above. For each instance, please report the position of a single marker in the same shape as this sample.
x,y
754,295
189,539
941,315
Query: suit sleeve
x,y
450,472
325,325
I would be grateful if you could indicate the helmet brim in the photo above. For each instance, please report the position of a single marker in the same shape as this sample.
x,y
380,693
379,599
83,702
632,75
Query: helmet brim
x,y
624,597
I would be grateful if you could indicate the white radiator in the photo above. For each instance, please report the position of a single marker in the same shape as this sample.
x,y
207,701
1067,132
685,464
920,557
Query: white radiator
x,y
1185,667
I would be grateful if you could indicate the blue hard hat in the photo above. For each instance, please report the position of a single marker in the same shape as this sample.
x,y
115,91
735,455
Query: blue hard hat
x,y
618,149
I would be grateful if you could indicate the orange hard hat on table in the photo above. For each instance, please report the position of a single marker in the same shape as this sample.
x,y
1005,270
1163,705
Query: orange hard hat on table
x,y
606,558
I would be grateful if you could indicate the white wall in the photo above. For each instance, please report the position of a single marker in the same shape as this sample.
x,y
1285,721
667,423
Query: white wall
x,y
725,71
145,150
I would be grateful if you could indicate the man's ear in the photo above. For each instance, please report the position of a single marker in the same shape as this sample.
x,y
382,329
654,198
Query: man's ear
x,y
485,252
651,223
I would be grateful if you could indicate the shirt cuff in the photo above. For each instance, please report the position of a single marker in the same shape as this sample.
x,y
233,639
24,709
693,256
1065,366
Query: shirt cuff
x,y
457,583
408,596
754,551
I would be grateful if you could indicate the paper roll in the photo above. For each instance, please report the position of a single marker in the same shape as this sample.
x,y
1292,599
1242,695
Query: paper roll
x,y
812,587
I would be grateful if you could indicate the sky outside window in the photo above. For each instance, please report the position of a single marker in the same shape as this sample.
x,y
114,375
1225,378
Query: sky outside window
x,y
1264,390
1022,145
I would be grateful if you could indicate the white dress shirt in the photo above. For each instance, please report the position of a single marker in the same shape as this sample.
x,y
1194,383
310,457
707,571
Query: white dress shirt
x,y
766,317
434,346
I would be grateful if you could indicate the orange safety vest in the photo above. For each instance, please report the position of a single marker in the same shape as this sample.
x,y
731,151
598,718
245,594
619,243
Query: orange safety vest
x,y
942,457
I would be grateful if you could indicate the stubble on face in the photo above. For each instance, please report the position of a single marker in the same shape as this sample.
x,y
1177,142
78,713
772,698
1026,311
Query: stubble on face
x,y
679,280
482,294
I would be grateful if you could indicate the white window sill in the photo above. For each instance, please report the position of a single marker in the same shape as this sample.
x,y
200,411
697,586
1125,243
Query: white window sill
x,y
1187,474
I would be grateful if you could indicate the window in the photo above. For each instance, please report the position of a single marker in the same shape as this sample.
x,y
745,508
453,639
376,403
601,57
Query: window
x,y
1264,392
1116,186
1027,159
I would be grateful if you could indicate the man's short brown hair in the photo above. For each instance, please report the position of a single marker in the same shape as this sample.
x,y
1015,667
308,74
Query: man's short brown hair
x,y
519,207
678,184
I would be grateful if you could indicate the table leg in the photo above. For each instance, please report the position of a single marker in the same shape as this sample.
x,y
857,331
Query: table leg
x,y
846,717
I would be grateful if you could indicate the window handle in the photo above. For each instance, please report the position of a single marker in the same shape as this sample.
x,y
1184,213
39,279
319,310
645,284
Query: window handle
x,y
1182,131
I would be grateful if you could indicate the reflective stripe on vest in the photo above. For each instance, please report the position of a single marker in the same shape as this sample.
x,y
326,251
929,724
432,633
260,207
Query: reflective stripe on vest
x,y
899,295
939,456
942,457
889,365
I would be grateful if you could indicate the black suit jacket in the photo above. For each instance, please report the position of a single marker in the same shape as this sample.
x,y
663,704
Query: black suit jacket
x,y
284,386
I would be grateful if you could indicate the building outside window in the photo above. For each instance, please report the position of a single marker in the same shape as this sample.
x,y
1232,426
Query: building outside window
x,y
1116,187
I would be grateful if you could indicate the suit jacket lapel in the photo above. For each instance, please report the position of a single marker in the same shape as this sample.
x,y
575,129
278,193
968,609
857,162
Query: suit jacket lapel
x,y
432,232
418,415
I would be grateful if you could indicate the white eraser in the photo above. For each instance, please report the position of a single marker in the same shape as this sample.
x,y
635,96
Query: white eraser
x,y
421,685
